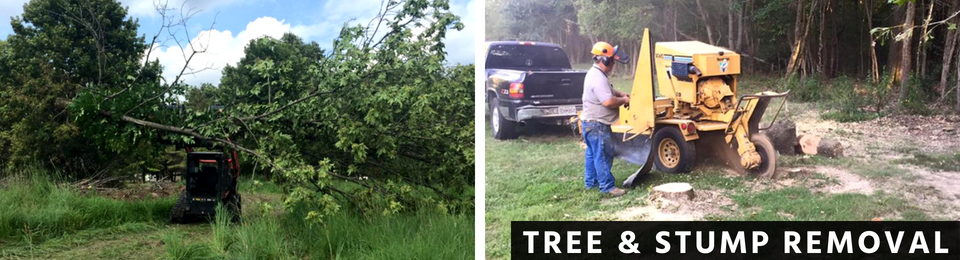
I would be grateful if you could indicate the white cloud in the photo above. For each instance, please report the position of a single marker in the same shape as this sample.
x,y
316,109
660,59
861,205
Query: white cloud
x,y
460,44
226,47
10,8
222,48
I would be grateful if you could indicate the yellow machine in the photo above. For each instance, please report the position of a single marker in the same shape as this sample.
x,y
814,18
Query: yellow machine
x,y
697,86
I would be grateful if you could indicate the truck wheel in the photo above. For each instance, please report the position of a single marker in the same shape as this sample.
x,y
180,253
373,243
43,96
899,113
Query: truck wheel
x,y
502,128
768,156
179,210
674,154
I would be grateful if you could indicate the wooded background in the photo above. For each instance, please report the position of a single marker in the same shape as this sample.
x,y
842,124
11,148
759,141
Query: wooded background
x,y
908,47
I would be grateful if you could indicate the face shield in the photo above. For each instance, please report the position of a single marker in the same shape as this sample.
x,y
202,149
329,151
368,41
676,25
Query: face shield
x,y
620,56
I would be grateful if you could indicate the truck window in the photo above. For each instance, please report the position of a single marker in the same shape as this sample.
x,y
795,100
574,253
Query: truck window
x,y
527,57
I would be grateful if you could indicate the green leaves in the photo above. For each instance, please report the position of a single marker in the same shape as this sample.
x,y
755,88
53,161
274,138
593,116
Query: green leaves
x,y
65,66
379,123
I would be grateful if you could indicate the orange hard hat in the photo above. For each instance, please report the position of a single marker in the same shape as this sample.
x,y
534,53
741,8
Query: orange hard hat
x,y
604,49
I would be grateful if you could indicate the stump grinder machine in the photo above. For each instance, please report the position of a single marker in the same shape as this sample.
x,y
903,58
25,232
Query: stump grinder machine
x,y
210,178
696,106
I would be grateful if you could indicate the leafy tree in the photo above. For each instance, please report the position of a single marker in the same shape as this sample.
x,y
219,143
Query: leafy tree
x,y
61,49
201,98
379,120
271,69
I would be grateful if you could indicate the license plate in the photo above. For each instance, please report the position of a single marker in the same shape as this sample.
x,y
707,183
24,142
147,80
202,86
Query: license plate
x,y
567,110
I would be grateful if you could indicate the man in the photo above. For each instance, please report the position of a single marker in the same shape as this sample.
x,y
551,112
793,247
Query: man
x,y
600,110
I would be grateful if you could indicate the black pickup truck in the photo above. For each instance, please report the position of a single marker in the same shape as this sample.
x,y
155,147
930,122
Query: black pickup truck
x,y
530,82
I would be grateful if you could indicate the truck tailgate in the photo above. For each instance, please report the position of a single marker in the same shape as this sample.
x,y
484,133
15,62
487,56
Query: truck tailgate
x,y
546,85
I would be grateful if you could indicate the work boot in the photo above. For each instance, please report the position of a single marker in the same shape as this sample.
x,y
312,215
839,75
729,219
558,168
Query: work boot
x,y
616,192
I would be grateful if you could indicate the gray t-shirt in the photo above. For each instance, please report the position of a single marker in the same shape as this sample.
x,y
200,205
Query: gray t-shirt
x,y
596,89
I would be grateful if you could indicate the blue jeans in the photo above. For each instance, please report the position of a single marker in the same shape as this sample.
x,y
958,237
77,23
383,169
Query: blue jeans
x,y
599,156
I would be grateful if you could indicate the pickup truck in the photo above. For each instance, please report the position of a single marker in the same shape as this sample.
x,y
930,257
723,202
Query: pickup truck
x,y
530,82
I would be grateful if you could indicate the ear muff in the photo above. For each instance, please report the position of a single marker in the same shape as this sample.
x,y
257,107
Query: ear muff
x,y
601,52
607,61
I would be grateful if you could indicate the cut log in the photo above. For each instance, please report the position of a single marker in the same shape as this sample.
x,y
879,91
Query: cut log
x,y
812,144
677,191
830,148
808,143
783,135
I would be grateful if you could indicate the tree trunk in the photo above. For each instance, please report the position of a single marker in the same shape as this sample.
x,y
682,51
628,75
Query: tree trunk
x,y
905,59
739,43
730,25
821,65
874,67
801,31
706,22
958,82
797,41
922,46
949,44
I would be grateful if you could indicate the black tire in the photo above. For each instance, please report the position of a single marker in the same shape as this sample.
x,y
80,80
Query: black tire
x,y
673,153
177,214
768,156
502,128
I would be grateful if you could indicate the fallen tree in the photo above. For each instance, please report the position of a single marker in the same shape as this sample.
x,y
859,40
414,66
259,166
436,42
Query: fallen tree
x,y
380,121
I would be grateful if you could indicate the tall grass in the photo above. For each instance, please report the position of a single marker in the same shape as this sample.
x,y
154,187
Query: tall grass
x,y
342,236
34,208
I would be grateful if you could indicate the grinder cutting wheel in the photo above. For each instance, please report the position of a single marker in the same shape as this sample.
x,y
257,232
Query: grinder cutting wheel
x,y
697,100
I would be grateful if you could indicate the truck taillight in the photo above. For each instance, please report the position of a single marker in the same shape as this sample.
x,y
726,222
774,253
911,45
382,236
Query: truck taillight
x,y
516,90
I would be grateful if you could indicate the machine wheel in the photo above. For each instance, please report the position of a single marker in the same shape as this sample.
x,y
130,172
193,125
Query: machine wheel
x,y
235,207
674,154
768,156
179,210
502,128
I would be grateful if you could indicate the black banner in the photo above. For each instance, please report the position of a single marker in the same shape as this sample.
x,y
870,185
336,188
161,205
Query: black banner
x,y
735,240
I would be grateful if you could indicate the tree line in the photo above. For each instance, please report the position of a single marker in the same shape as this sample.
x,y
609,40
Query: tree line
x,y
379,122
894,41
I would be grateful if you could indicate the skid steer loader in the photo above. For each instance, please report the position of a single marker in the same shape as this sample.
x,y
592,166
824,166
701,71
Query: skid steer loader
x,y
210,178
697,104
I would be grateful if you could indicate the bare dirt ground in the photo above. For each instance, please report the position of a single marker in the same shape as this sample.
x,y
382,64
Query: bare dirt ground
x,y
886,137
885,141
133,190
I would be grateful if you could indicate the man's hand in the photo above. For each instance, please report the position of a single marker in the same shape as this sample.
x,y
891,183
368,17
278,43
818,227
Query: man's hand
x,y
615,102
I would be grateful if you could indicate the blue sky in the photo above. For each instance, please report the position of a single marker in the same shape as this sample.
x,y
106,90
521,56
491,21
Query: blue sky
x,y
238,21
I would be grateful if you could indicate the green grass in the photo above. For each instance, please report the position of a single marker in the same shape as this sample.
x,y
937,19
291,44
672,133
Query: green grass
x,y
343,236
798,203
34,209
41,219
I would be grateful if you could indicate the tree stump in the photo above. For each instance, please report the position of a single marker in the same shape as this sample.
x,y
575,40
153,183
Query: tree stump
x,y
783,135
808,144
677,191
